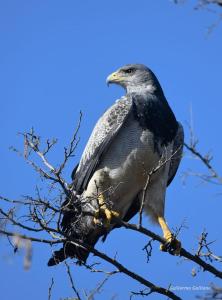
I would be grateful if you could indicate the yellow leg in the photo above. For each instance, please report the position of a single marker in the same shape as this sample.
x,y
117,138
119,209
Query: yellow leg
x,y
103,211
171,241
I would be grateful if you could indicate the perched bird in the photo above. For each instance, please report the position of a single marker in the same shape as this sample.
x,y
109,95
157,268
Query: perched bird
x,y
135,136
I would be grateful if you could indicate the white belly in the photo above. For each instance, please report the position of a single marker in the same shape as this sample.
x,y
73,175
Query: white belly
x,y
126,166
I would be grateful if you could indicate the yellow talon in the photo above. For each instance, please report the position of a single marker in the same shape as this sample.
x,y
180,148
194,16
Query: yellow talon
x,y
104,212
171,241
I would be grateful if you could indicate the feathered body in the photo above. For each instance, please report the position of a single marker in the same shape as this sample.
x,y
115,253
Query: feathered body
x,y
130,139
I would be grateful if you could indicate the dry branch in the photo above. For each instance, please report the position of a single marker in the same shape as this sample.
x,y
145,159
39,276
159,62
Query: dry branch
x,y
206,160
50,289
71,281
46,216
184,253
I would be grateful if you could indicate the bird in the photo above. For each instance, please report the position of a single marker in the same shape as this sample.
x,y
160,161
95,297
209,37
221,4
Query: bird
x,y
136,139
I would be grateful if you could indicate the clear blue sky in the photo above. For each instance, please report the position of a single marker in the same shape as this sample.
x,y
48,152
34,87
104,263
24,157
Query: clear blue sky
x,y
55,57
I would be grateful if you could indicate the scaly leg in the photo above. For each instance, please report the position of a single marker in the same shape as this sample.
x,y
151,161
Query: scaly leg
x,y
171,241
104,212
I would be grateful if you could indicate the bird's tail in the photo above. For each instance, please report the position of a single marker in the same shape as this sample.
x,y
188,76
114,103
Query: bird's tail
x,y
78,226
68,250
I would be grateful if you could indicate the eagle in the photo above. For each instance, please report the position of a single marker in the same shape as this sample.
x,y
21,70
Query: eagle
x,y
136,135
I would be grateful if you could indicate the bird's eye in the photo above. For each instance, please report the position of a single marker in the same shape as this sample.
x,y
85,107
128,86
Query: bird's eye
x,y
129,71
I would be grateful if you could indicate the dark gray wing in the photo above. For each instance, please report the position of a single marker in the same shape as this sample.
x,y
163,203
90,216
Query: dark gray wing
x,y
178,150
74,171
103,133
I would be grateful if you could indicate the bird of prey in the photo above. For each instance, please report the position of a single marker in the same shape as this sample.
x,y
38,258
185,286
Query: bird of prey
x,y
135,136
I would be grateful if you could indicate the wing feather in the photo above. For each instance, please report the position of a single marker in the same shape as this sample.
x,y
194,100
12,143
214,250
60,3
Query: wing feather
x,y
178,150
103,134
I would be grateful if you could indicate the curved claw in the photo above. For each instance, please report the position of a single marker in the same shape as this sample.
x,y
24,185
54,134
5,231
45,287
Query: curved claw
x,y
106,214
172,245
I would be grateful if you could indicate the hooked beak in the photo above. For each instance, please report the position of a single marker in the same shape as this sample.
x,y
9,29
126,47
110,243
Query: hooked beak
x,y
113,78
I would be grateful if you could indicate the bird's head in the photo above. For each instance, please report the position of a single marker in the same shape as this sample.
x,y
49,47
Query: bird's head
x,y
134,77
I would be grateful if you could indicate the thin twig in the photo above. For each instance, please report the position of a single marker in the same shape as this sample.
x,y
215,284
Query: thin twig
x,y
50,289
71,281
183,252
16,223
122,269
33,239
206,161
99,286
114,262
162,162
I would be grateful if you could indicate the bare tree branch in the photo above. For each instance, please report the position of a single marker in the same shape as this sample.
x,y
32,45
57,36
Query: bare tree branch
x,y
45,216
122,269
50,289
98,288
195,258
72,282
206,159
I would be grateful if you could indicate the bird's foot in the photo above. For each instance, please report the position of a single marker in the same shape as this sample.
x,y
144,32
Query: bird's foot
x,y
106,215
171,245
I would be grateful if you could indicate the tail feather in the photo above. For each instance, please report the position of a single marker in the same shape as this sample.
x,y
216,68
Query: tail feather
x,y
68,250
78,225
57,257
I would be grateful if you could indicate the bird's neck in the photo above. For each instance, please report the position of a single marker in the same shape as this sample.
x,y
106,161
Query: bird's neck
x,y
141,89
